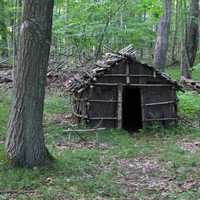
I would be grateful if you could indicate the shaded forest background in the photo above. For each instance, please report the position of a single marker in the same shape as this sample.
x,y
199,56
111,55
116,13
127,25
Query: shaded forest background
x,y
81,29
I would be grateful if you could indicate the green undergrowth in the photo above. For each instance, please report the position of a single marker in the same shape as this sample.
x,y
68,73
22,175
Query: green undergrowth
x,y
175,72
189,104
107,165
56,103
5,100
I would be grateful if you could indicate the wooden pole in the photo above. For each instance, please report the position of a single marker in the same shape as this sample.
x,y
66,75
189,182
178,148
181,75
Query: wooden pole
x,y
119,107
127,74
135,85
159,103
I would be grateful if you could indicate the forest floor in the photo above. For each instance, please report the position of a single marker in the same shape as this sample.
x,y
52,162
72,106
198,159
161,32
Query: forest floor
x,y
155,164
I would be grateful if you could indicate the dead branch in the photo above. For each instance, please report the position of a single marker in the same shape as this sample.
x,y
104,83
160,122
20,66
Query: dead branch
x,y
85,130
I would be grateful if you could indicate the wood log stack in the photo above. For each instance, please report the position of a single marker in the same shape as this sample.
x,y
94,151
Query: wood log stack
x,y
190,84
4,66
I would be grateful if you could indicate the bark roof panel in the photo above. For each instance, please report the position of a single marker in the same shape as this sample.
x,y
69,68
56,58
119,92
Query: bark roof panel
x,y
84,78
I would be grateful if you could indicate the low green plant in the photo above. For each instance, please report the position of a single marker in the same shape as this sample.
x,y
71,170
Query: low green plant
x,y
189,104
5,101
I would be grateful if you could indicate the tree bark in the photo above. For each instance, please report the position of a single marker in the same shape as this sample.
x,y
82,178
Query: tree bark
x,y
192,34
190,39
175,36
3,33
4,43
161,46
25,144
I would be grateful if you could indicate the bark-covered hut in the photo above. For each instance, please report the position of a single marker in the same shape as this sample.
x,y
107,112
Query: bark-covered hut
x,y
121,92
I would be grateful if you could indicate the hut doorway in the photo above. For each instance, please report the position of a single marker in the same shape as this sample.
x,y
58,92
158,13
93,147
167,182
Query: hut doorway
x,y
131,109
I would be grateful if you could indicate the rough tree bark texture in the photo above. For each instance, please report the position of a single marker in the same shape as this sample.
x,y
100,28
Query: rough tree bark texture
x,y
175,36
162,37
190,40
25,143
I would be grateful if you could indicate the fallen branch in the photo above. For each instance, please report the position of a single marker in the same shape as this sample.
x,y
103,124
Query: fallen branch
x,y
79,131
85,130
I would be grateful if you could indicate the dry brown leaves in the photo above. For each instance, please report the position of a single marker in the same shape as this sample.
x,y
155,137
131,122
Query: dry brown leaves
x,y
82,145
190,184
150,176
143,173
17,194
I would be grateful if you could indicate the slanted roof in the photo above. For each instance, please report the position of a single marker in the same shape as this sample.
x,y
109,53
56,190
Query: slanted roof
x,y
81,80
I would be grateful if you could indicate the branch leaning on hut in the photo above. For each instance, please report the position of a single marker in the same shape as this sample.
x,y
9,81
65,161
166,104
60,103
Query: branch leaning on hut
x,y
79,131
5,66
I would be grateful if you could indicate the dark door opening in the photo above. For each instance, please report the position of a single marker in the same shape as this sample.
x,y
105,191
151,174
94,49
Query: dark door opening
x,y
131,109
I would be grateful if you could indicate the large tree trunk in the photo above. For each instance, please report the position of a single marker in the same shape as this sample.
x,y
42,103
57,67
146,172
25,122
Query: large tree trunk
x,y
161,47
25,143
190,39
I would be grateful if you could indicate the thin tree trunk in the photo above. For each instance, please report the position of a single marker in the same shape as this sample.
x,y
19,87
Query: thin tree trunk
x,y
185,71
142,47
4,43
192,38
102,36
16,34
161,47
176,28
190,34
25,143
3,33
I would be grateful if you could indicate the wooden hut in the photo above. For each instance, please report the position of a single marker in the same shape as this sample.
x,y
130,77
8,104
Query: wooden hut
x,y
121,92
